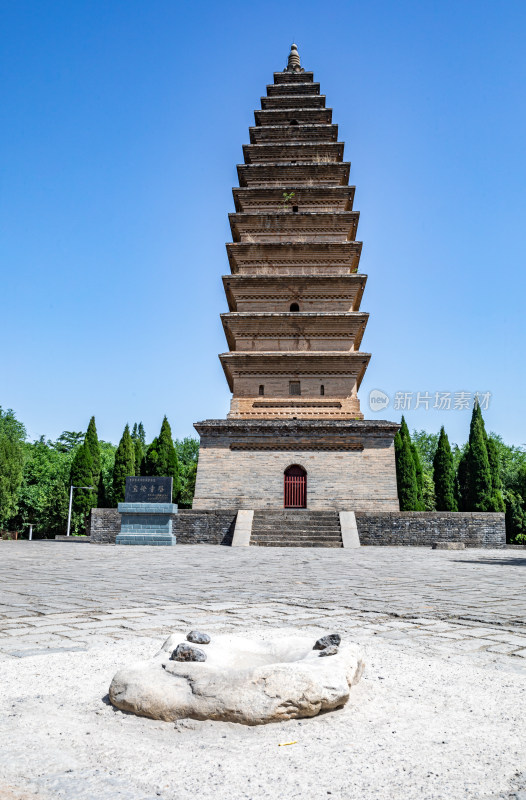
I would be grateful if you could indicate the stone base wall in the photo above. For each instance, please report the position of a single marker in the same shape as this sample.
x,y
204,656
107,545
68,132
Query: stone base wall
x,y
350,465
205,527
105,525
422,528
188,526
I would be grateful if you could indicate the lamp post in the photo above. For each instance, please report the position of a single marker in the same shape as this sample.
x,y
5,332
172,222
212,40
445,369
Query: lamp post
x,y
71,501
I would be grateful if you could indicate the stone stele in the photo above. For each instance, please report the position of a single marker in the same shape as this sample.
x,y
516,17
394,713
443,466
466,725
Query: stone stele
x,y
252,680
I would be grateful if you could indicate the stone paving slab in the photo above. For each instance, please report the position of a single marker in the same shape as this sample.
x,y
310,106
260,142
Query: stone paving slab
x,y
472,602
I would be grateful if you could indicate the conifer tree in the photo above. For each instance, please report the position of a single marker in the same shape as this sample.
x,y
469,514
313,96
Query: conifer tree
x,y
139,455
161,458
444,475
461,483
141,434
92,440
419,477
497,498
81,474
137,436
124,466
405,470
478,473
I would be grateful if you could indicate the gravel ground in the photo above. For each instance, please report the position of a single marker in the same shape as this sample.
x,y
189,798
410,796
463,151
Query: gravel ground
x,y
415,727
439,712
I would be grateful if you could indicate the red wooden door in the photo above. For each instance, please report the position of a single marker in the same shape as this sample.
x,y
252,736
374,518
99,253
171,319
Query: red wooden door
x,y
295,487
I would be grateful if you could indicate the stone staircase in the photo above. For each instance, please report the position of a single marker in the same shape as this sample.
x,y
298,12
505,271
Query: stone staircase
x,y
296,528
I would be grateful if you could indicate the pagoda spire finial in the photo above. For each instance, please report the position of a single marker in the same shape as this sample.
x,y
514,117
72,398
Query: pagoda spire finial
x,y
294,64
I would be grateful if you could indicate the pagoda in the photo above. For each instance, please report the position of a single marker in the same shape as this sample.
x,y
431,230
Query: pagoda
x,y
294,325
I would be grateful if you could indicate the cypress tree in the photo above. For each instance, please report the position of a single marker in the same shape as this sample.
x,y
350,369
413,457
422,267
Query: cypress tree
x,y
161,458
461,483
478,483
139,455
497,498
141,434
419,477
137,436
92,441
124,466
444,475
81,474
405,471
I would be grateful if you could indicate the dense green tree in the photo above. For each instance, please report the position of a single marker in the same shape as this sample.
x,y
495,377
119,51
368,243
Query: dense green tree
x,y
461,483
426,445
137,437
515,518
81,475
444,475
92,440
68,440
161,458
187,451
405,470
139,455
54,512
497,498
124,465
105,493
419,477
12,438
474,474
45,479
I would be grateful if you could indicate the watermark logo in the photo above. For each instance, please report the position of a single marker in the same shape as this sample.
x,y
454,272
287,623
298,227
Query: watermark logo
x,y
378,400
429,401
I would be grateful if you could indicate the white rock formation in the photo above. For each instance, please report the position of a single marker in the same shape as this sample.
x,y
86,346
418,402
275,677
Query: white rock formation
x,y
252,680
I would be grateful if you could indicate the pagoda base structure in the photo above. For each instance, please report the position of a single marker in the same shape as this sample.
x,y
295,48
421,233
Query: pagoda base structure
x,y
348,465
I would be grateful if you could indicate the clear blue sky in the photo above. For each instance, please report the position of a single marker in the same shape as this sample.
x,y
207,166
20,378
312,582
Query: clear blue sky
x,y
121,126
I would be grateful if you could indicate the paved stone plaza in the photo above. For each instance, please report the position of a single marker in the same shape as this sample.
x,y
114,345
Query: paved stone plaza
x,y
71,613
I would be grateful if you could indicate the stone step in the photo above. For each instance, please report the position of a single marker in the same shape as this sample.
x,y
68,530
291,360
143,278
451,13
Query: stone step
x,y
296,528
301,534
306,543
303,526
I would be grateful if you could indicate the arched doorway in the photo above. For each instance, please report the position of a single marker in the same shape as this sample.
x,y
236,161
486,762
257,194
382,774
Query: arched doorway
x,y
295,487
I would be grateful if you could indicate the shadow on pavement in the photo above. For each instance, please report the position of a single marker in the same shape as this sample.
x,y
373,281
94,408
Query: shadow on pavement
x,y
508,562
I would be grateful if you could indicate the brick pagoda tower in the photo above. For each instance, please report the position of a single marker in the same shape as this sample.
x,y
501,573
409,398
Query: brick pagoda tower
x,y
295,435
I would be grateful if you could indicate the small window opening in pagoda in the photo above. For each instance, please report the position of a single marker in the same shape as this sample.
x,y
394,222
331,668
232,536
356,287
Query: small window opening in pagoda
x,y
322,389
294,388
294,307
293,122
261,390
295,209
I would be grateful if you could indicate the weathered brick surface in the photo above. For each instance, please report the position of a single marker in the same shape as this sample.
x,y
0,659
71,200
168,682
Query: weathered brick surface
x,y
105,525
417,528
350,465
422,528
189,527
205,527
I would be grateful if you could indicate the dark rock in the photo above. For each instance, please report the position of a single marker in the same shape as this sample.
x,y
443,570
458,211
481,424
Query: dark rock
x,y
198,638
331,640
329,651
185,652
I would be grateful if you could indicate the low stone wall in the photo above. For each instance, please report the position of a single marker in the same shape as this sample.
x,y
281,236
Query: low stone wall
x,y
105,524
204,527
422,528
189,527
416,528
